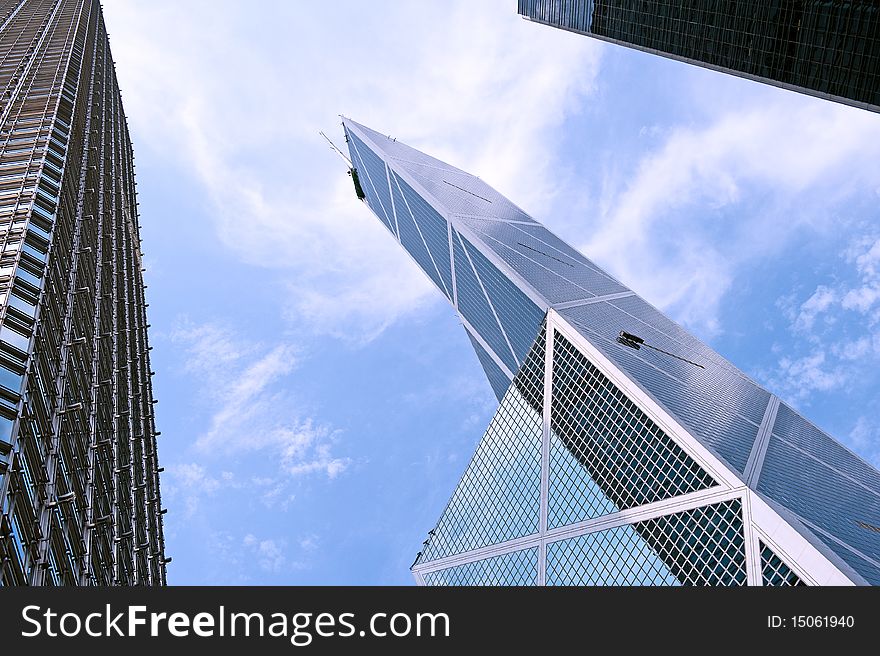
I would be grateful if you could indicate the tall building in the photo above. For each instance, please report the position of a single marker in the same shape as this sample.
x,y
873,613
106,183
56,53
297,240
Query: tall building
x,y
624,450
825,48
79,485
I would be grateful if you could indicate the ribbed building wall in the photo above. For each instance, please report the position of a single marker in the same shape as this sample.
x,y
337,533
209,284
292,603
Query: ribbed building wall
x,y
79,485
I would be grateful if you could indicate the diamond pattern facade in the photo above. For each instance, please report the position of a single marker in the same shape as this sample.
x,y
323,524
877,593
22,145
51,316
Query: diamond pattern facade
x,y
620,452
513,568
775,572
702,546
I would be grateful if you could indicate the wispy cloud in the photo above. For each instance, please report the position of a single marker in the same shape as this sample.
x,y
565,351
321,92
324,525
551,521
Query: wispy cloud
x,y
189,482
836,328
245,399
269,553
481,87
246,386
210,347
798,378
821,300
660,227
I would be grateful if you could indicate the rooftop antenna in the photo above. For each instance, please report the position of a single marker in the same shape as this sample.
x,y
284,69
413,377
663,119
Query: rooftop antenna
x,y
338,152
352,171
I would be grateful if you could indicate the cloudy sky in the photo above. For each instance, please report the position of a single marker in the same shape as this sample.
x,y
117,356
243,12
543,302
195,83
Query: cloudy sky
x,y
318,398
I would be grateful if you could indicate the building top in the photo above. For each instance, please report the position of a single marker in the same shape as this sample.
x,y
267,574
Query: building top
x,y
502,271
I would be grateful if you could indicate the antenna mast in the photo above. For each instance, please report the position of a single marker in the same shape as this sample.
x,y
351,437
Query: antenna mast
x,y
338,152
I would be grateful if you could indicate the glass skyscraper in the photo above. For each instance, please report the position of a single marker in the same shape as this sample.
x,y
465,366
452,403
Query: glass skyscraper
x,y
79,481
825,48
624,451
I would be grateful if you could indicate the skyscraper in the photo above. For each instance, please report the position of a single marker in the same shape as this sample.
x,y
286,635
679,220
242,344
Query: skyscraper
x,y
825,48
624,450
79,484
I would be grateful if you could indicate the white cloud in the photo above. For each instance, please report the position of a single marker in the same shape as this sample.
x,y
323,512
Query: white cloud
x,y
238,101
210,346
865,439
798,378
309,543
278,497
857,349
306,448
269,553
246,385
865,254
273,554
838,326
859,294
821,300
190,482
659,230
244,400
194,475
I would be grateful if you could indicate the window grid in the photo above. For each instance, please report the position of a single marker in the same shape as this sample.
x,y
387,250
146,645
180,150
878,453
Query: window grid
x,y
515,568
701,546
606,454
831,502
557,275
518,315
371,172
774,572
433,230
79,485
718,406
462,193
474,306
497,378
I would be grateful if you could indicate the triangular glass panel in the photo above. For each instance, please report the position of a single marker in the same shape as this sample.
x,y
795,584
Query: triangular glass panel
x,y
474,306
434,230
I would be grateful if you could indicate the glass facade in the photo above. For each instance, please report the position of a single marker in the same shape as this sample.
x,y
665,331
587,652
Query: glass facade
x,y
475,306
702,546
498,498
497,378
774,572
627,464
717,402
79,483
608,455
825,48
514,568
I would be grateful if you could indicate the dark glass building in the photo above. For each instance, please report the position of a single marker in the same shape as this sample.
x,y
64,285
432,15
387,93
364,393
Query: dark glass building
x,y
624,450
79,485
825,48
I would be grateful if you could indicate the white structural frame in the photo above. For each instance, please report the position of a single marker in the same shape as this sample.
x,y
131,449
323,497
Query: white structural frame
x,y
761,522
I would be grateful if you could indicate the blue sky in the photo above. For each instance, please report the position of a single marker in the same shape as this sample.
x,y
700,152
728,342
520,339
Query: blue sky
x,y
318,398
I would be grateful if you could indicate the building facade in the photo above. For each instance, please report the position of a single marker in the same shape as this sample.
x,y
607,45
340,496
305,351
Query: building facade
x,y
624,450
825,48
79,481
